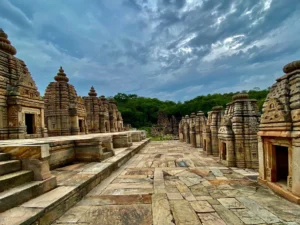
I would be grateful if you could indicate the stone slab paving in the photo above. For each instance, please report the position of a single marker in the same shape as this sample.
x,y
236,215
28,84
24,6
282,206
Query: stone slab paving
x,y
169,183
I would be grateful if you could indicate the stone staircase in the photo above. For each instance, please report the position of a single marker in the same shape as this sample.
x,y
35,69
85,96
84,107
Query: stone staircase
x,y
18,186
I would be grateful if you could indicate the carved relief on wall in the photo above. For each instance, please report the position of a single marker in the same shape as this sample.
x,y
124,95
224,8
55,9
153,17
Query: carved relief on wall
x,y
13,116
274,112
253,125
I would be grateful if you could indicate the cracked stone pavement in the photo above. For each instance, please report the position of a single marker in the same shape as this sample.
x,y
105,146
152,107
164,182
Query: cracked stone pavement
x,y
169,182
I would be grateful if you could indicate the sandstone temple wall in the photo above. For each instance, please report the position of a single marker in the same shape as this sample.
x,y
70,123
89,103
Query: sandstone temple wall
x,y
238,133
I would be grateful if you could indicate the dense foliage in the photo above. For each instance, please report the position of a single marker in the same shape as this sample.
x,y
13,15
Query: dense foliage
x,y
142,112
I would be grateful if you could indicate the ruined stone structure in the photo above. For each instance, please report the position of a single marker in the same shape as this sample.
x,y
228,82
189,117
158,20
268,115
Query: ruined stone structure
x,y
65,112
120,124
21,106
210,134
173,125
93,111
113,115
199,128
238,133
104,115
191,129
279,142
165,125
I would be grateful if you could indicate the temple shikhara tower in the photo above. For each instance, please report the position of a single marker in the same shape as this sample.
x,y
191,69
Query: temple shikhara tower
x,y
238,133
92,105
65,112
21,106
279,135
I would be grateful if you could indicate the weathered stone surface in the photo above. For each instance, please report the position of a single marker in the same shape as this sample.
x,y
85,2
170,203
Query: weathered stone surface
x,y
183,213
201,206
248,217
118,215
229,217
211,219
161,210
17,215
210,195
260,211
231,203
116,200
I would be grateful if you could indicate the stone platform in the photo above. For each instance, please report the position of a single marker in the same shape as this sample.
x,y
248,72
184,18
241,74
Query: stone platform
x,y
169,183
73,183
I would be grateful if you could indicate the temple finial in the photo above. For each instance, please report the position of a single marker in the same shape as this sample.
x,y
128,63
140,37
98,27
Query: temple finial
x,y
5,44
92,92
61,76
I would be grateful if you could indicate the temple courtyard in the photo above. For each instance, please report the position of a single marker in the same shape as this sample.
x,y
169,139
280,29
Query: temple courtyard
x,y
169,182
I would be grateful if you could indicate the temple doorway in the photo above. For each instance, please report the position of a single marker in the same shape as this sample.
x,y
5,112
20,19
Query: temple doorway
x,y
29,122
224,151
204,145
106,127
81,128
282,163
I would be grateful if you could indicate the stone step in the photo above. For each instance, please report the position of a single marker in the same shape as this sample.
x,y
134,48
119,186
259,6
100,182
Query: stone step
x,y
106,155
4,156
22,193
15,179
9,166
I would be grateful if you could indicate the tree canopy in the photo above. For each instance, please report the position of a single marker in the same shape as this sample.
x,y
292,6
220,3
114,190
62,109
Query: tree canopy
x,y
142,112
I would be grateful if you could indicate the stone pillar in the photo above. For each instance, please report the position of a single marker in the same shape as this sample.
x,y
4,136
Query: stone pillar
x,y
294,175
261,158
193,136
214,127
74,124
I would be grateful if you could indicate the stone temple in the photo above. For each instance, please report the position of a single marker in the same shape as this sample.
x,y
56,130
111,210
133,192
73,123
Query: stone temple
x,y
92,105
102,116
238,133
21,106
279,132
65,112
210,134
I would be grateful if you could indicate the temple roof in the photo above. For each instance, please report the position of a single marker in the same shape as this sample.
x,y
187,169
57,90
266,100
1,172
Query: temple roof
x,y
92,92
61,76
290,67
5,44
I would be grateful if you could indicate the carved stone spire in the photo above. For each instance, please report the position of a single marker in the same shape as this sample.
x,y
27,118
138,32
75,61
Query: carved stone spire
x,y
61,76
92,92
5,44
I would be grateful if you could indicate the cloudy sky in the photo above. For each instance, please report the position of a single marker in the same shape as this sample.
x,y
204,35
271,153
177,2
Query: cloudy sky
x,y
168,49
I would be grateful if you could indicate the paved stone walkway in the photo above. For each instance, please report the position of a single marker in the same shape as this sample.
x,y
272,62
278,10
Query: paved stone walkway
x,y
170,183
